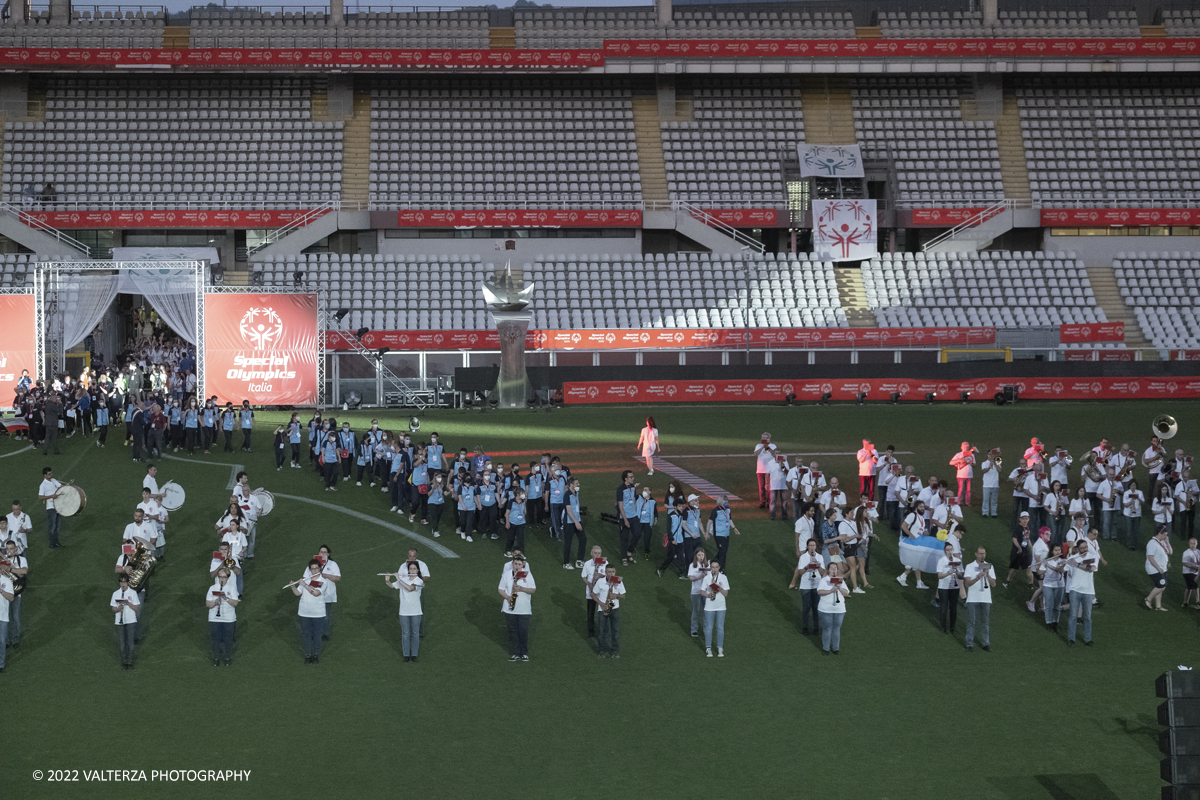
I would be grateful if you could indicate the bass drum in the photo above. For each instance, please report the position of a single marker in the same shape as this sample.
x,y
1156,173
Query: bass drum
x,y
266,501
173,497
70,501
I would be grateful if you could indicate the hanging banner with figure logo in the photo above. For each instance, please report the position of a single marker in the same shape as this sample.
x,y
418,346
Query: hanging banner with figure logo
x,y
830,161
844,230
262,348
18,342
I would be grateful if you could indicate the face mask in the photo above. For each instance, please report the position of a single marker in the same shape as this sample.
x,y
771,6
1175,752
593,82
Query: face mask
x,y
433,439
374,426
346,428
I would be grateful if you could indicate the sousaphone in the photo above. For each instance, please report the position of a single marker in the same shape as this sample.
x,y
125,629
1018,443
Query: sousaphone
x,y
1164,426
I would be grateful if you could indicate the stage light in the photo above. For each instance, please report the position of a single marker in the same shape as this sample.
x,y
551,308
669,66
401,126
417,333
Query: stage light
x,y
930,397
414,424
361,332
862,397
381,352
1000,399
341,314
895,397
256,278
298,277
825,398
964,396
790,398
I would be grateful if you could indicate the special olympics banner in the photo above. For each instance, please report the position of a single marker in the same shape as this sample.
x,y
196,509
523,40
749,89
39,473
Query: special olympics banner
x,y
1116,217
844,230
521,218
1094,332
1185,355
18,340
671,338
896,48
262,348
748,217
774,391
942,217
1098,355
170,218
830,161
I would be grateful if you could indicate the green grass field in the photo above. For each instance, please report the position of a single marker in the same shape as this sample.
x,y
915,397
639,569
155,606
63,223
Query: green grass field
x,y
903,712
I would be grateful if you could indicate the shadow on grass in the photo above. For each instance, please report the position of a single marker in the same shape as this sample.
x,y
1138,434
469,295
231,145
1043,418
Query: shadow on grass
x,y
782,562
1084,786
481,612
574,609
1143,730
678,606
383,616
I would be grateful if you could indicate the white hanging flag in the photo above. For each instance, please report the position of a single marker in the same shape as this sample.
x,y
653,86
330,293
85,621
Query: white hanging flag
x,y
844,230
831,161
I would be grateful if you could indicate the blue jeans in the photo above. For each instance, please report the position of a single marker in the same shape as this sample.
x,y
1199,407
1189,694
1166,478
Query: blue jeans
x,y
14,624
1081,606
220,635
310,635
251,536
711,619
52,522
3,641
809,600
1110,524
609,625
697,612
325,621
981,612
831,630
991,498
410,634
1052,597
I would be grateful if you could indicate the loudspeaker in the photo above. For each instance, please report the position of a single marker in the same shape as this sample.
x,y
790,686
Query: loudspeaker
x,y
1179,713
1181,769
1181,793
1179,742
1178,684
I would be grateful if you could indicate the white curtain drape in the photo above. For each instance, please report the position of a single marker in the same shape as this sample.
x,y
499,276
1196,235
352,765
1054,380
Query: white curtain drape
x,y
82,302
172,293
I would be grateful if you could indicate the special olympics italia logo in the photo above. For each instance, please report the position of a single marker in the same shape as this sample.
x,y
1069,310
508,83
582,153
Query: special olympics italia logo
x,y
261,327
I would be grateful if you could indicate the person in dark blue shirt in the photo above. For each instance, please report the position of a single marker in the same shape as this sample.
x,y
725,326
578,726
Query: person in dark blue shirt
x,y
626,503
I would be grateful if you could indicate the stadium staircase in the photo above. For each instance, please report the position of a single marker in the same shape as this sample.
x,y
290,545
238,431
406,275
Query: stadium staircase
x,y
852,295
828,110
356,143
1154,31
647,129
502,38
868,32
177,37
1014,170
1108,298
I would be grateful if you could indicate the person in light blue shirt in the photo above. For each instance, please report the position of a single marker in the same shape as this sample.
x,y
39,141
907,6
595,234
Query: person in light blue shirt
x,y
573,527
675,540
420,487
691,527
345,440
246,418
646,514
398,472
102,423
364,455
626,502
434,452
208,422
228,419
329,455
293,434
175,421
720,523
535,489
489,511
437,501
514,524
468,508
479,461
191,426
316,438
558,494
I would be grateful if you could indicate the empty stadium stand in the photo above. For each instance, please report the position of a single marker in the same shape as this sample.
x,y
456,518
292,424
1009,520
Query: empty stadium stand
x,y
1182,22
1010,25
459,29
105,29
1161,291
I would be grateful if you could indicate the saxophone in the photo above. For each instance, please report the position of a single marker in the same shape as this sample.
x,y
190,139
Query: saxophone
x,y
143,567
512,599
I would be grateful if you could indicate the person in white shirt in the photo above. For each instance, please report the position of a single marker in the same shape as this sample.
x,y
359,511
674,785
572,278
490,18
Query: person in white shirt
x,y
867,459
1109,492
609,591
1163,507
1124,461
7,595
250,510
1155,450
1158,554
1191,571
48,492
883,473
1058,463
332,574
592,572
806,528
991,483
1187,493
1082,566
1033,455
697,571
310,589
140,530
150,481
19,526
1041,549
1053,568
236,540
831,608
715,589
930,496
913,527
979,578
1033,488
963,463
517,587
949,569
765,453
16,570
155,517
793,483
125,606
777,476
809,571
812,484
833,499
221,600
897,498
408,582
1080,504
1131,508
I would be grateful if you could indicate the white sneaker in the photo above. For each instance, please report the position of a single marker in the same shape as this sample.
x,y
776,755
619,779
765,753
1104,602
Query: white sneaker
x,y
1029,605
358,483
437,535
568,566
469,539
921,585
461,535
393,508
720,652
651,472
902,580
384,489
859,590
708,652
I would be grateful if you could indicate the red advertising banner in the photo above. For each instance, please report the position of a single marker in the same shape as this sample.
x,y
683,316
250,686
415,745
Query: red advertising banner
x,y
342,58
749,217
896,48
262,348
1093,332
671,338
521,218
18,340
942,217
774,391
169,218
1185,355
1098,355
1115,217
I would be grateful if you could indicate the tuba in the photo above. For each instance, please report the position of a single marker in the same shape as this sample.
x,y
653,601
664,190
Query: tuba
x,y
1164,426
143,567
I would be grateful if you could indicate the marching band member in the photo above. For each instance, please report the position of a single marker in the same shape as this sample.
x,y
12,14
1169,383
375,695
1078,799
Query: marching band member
x,y
696,573
1173,469
19,526
517,587
1058,464
1131,508
125,607
883,470
1034,488
1041,550
1052,569
1033,455
608,591
867,459
310,590
949,569
832,608
715,589
1123,461
913,527
250,510
48,492
780,494
223,558
833,499
1186,494
232,516
410,584
1158,554
990,469
1080,503
897,497
1154,460
1163,507
1191,570
1055,510
140,530
15,567
764,452
1082,568
963,462
1108,491
883,489
221,600
930,496
812,485
1019,497
1093,542
331,574
809,570
593,572
979,577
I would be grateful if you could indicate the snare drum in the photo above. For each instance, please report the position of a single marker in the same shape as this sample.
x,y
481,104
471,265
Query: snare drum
x,y
266,501
173,497
70,501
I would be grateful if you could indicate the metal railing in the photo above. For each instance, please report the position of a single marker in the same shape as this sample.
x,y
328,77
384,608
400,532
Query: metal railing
x,y
33,222
190,205
699,214
302,221
970,223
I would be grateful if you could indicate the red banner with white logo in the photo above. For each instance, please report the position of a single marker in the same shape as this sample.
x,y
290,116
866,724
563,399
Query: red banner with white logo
x,y
521,218
671,338
18,340
1116,217
896,48
942,217
1098,355
1092,332
170,218
749,217
1185,355
342,58
775,391
262,348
